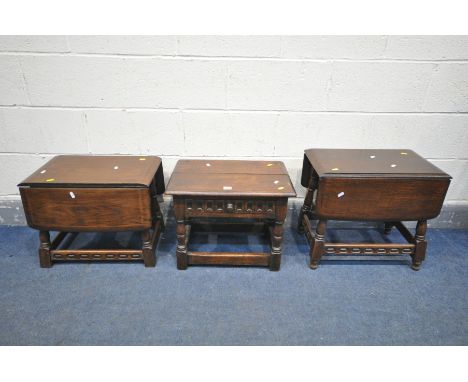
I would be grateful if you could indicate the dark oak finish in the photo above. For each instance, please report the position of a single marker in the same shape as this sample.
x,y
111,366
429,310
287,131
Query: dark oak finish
x,y
98,170
91,209
73,193
380,199
229,190
379,185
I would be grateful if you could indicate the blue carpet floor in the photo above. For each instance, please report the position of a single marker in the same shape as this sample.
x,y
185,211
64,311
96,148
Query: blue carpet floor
x,y
368,302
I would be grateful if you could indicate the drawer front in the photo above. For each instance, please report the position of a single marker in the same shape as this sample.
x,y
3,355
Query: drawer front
x,y
87,209
250,208
380,199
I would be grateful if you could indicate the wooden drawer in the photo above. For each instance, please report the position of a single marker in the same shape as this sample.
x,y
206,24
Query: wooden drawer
x,y
87,209
380,198
241,208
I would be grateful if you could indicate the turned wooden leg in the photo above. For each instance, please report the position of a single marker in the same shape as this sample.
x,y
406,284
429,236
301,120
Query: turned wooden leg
x,y
182,257
149,257
44,249
318,244
388,227
421,245
276,243
307,206
181,251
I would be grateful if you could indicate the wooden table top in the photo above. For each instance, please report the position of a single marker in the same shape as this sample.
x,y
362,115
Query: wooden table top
x,y
95,170
399,163
230,178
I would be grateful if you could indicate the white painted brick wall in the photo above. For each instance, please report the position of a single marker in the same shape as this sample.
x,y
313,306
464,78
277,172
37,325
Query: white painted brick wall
x,y
32,130
232,96
230,46
229,134
332,47
427,47
277,85
447,91
123,82
12,87
135,45
379,86
46,44
143,132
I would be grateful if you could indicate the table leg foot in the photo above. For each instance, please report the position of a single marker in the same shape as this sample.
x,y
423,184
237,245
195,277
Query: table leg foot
x,y
274,268
318,244
415,267
421,245
275,260
276,242
150,263
181,252
149,257
44,249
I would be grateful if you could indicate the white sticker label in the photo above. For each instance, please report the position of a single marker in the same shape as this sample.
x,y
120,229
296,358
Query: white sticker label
x,y
227,188
341,194
72,195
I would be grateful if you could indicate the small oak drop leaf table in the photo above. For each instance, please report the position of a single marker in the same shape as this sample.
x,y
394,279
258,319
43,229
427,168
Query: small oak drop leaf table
x,y
79,193
377,185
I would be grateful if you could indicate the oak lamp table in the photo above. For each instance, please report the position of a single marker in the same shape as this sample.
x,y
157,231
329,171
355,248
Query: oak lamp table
x,y
230,190
74,193
377,185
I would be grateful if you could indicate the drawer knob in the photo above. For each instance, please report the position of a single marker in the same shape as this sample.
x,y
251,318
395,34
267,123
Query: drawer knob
x,y
229,207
